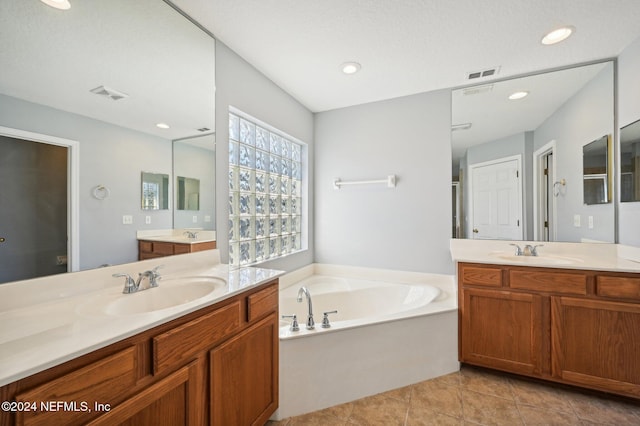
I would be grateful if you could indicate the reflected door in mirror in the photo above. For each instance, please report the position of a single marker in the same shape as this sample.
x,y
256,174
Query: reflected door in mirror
x,y
630,162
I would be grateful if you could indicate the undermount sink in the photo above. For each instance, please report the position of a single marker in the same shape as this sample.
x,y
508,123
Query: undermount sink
x,y
541,259
170,293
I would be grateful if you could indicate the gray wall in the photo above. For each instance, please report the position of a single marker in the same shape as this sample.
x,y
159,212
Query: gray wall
x,y
240,85
404,228
109,155
628,112
585,117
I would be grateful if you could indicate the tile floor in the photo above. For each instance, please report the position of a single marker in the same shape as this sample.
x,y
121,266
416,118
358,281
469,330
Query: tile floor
x,y
476,397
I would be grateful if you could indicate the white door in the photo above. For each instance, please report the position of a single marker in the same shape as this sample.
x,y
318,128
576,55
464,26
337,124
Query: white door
x,y
496,200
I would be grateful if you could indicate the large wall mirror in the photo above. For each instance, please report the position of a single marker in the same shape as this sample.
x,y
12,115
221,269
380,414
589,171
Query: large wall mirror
x,y
518,156
630,162
120,81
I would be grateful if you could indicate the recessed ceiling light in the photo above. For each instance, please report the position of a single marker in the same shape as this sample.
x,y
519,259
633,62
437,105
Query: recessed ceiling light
x,y
58,4
162,125
350,67
558,35
518,95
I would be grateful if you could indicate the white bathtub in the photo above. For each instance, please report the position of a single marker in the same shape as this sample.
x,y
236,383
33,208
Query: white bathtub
x,y
392,329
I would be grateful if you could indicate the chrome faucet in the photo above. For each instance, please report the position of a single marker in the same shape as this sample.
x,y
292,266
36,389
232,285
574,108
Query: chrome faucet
x,y
528,250
305,291
191,234
131,286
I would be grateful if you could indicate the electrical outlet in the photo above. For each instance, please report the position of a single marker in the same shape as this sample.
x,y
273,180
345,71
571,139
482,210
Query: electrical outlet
x,y
590,222
195,219
576,220
127,219
147,220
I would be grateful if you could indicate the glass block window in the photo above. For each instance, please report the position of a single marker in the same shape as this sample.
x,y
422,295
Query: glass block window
x,y
265,192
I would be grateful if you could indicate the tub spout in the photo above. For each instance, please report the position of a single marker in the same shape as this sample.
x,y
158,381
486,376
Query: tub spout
x,y
305,292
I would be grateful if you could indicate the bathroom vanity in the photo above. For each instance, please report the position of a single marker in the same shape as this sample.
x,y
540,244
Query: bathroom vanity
x,y
214,362
569,320
153,244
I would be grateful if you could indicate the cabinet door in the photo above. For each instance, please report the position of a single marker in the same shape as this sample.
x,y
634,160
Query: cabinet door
x,y
178,400
502,330
244,376
596,343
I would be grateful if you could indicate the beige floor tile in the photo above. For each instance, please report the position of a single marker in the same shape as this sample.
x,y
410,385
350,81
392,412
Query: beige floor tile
x,y
484,382
540,395
605,411
379,410
342,411
489,410
401,394
317,418
438,397
534,416
422,416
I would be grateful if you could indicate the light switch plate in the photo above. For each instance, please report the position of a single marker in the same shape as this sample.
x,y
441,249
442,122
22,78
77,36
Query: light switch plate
x,y
147,220
576,220
127,219
590,222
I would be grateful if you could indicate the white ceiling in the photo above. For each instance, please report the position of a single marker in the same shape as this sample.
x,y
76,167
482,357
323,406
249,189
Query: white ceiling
x,y
143,48
408,46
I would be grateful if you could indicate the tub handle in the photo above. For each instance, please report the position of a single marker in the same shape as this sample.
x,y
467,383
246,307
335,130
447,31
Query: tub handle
x,y
294,324
325,318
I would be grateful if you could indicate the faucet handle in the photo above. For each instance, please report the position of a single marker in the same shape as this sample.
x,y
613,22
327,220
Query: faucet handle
x,y
294,323
130,285
534,251
325,318
518,249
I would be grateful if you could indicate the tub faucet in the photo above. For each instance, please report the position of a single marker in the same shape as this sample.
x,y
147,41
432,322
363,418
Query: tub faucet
x,y
305,291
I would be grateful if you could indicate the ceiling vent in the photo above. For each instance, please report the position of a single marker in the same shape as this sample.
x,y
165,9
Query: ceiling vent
x,y
109,93
476,90
484,73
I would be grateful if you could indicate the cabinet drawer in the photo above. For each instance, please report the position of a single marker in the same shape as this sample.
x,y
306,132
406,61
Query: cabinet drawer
x,y
145,246
162,248
548,282
480,275
620,287
262,302
181,248
178,345
101,382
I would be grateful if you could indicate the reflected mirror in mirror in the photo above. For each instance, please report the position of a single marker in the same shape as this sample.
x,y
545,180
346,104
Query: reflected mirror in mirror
x,y
155,191
195,194
188,193
630,162
596,171
148,64
521,157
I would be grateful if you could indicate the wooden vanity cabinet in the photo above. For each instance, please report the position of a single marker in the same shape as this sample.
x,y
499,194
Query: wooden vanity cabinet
x,y
148,249
218,366
571,326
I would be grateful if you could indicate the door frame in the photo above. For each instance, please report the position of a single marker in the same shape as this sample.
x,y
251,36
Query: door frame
x,y
73,185
517,157
539,192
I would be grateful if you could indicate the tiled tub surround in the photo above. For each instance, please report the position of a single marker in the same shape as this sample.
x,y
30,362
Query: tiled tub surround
x,y
373,345
45,322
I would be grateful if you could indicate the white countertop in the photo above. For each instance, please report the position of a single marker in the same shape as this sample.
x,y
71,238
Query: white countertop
x,y
590,256
47,321
177,236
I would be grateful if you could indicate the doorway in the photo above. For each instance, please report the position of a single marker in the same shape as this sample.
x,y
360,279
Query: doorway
x,y
496,199
544,202
38,210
